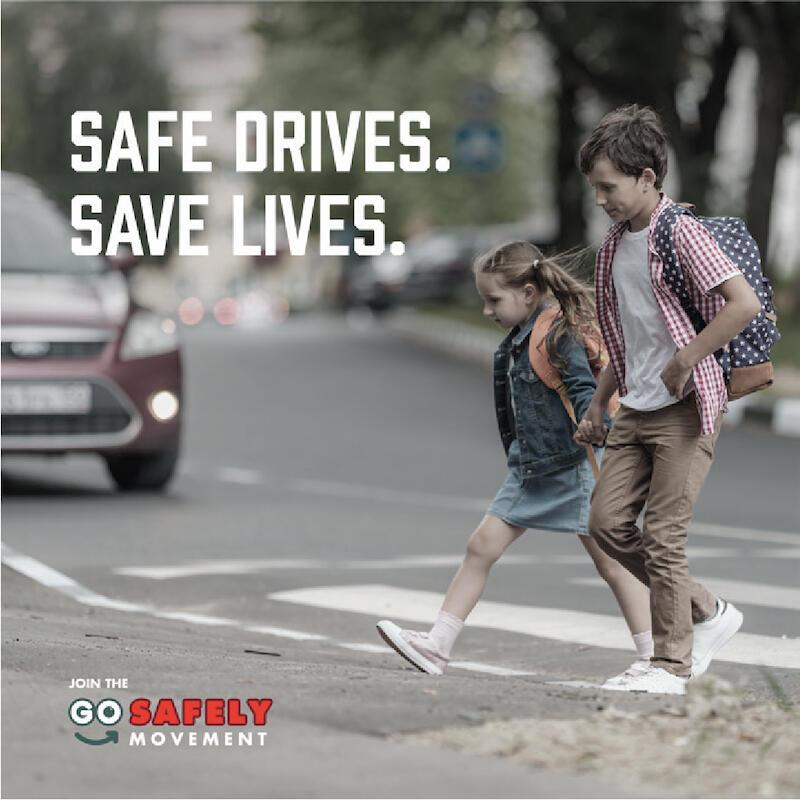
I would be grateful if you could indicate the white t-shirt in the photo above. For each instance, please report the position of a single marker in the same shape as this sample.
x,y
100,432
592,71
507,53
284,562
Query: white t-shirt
x,y
648,343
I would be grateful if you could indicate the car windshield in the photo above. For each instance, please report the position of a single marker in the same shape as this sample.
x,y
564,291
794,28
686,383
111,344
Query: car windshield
x,y
37,238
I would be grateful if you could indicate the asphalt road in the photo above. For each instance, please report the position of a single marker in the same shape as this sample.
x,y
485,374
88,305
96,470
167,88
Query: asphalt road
x,y
331,476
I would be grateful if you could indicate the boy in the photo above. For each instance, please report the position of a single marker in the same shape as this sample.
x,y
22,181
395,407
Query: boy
x,y
672,394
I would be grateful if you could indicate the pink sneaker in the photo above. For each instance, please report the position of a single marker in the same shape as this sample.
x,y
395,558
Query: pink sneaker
x,y
637,668
414,646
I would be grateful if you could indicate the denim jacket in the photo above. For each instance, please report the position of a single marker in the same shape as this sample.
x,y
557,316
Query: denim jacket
x,y
536,416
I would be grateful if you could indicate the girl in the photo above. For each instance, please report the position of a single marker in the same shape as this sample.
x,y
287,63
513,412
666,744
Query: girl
x,y
550,482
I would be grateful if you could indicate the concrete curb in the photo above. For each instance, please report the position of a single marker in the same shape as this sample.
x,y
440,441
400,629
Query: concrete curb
x,y
471,343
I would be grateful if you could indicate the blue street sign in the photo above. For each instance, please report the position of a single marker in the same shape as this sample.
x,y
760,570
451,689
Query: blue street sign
x,y
478,146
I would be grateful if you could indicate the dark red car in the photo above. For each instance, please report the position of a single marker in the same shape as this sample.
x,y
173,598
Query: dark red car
x,y
84,368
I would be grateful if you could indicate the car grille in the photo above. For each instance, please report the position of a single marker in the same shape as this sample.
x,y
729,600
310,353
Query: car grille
x,y
61,350
107,415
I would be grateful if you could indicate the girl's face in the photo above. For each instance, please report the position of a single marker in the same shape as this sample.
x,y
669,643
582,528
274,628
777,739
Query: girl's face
x,y
506,305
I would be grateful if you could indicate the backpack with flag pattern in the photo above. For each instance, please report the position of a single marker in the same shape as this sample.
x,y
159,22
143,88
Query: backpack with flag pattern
x,y
745,364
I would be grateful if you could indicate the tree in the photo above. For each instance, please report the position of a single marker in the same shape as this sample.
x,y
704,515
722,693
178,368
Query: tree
x,y
613,51
66,57
678,58
772,30
400,56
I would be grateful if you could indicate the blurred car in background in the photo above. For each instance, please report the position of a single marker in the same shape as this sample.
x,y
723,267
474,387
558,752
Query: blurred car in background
x,y
85,369
436,266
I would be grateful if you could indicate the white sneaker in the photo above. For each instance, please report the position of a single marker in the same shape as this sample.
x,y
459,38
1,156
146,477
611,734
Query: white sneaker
x,y
654,680
637,668
710,635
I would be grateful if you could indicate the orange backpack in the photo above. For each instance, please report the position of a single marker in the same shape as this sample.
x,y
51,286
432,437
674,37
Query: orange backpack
x,y
596,355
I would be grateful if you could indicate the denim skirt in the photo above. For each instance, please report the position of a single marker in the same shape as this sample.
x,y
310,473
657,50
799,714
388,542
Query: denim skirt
x,y
556,502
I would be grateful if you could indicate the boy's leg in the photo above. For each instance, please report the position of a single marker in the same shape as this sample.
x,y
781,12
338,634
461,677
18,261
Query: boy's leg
x,y
622,488
620,494
681,461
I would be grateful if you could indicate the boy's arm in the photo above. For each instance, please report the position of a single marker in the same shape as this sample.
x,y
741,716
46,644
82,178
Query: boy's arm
x,y
741,306
710,270
591,429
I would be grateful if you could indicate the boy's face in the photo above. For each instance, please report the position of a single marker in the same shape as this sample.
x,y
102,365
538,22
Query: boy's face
x,y
624,197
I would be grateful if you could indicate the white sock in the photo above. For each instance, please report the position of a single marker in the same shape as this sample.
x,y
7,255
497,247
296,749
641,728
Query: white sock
x,y
445,632
644,645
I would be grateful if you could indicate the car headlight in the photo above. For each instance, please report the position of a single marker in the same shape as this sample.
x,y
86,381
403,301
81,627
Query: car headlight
x,y
148,334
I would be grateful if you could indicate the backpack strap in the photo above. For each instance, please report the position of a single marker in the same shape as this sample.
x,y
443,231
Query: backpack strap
x,y
537,347
675,279
548,374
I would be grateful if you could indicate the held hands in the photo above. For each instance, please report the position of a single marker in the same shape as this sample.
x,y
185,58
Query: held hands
x,y
591,429
676,375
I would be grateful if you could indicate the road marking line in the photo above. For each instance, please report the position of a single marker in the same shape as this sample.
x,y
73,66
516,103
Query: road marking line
x,y
488,669
256,565
248,477
196,619
472,666
744,534
219,567
47,576
249,566
380,493
597,630
360,491
754,594
576,684
285,633
778,552
362,647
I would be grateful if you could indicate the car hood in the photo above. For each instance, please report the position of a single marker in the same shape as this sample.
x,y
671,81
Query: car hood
x,y
101,300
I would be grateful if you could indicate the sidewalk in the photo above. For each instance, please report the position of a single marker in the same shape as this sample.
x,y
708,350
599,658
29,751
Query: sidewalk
x,y
778,408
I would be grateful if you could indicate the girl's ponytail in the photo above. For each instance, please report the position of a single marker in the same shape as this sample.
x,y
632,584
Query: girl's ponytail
x,y
556,275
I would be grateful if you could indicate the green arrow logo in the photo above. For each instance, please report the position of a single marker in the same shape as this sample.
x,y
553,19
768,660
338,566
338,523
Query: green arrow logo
x,y
111,736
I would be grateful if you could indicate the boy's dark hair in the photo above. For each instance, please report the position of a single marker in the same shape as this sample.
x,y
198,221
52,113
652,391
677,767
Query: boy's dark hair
x,y
632,138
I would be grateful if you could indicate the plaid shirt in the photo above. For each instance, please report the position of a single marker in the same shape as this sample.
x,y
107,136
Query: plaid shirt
x,y
704,266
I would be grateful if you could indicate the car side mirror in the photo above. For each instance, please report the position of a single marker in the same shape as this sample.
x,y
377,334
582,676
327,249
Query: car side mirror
x,y
124,261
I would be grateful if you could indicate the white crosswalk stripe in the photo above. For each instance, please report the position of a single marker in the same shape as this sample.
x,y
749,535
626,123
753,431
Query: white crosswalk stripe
x,y
598,630
252,566
754,594
47,576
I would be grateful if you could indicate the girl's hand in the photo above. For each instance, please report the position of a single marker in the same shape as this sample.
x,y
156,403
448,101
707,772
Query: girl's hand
x,y
591,429
676,375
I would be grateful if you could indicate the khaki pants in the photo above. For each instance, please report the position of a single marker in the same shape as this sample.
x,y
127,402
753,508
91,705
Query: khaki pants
x,y
658,459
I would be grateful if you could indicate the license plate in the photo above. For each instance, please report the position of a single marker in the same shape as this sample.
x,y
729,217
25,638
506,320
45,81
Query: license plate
x,y
46,398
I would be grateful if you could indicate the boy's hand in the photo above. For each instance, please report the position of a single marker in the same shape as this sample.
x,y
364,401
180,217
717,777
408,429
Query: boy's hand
x,y
676,375
591,429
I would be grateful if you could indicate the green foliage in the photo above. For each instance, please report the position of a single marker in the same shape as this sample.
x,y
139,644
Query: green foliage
x,y
787,351
397,56
62,57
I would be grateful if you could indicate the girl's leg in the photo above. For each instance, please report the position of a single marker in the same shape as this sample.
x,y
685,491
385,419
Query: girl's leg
x,y
632,595
430,652
485,546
